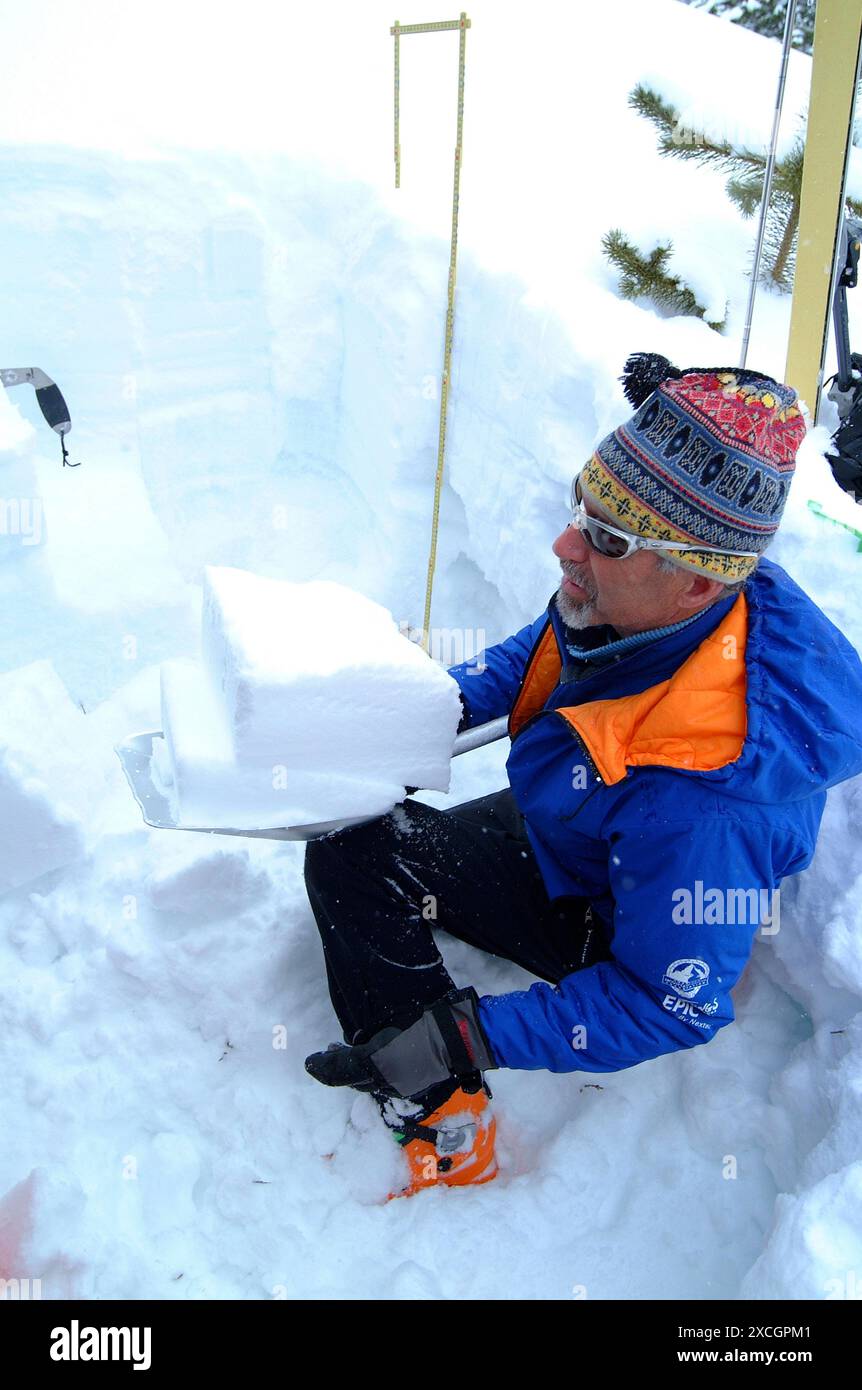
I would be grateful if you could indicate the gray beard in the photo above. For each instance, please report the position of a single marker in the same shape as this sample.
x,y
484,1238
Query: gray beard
x,y
573,613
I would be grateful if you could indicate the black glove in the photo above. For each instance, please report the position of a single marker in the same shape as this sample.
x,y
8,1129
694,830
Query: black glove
x,y
465,714
447,1040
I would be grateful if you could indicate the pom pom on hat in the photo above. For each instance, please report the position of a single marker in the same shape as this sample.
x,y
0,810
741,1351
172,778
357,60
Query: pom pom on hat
x,y
644,372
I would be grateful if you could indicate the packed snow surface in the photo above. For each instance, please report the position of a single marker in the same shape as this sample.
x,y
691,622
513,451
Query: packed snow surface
x,y
47,788
246,320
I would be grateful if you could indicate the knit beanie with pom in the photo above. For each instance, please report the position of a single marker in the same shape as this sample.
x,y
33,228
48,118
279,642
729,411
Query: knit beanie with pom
x,y
707,458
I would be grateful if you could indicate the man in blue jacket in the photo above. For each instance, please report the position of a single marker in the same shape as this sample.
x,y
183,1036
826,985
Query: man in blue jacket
x,y
676,714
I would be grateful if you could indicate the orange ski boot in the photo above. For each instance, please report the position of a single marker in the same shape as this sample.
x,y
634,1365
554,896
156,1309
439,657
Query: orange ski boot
x,y
451,1144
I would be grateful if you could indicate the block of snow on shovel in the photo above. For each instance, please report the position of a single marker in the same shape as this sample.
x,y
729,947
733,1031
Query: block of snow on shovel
x,y
308,710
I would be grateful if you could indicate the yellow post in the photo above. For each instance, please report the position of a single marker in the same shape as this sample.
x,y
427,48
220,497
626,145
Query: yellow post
x,y
837,37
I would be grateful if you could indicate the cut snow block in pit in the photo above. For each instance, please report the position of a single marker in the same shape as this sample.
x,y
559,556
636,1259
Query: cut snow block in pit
x,y
196,769
52,775
207,786
318,678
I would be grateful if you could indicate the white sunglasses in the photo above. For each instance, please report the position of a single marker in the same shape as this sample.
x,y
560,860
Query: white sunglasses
x,y
618,545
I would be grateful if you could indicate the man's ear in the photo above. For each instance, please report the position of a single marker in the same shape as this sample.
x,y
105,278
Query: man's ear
x,y
698,591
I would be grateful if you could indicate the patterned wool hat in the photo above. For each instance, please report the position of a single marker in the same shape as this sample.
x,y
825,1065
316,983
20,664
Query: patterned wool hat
x,y
708,457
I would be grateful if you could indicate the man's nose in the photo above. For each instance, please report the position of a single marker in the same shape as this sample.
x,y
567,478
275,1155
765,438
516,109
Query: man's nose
x,y
570,545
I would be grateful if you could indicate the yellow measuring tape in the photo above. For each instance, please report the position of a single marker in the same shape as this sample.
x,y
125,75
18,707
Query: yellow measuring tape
x,y
462,25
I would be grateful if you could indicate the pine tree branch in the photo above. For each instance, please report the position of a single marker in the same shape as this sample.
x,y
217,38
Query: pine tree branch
x,y
744,187
683,142
745,193
648,276
648,103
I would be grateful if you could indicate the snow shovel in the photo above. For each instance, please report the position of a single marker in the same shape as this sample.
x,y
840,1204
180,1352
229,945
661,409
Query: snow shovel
x,y
136,752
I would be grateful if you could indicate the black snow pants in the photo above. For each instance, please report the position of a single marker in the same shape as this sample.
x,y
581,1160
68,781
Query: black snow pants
x,y
376,890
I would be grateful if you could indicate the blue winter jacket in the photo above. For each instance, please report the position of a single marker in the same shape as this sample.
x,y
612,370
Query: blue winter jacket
x,y
675,792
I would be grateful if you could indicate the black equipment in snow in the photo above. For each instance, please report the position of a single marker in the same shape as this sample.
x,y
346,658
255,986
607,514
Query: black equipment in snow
x,y
845,459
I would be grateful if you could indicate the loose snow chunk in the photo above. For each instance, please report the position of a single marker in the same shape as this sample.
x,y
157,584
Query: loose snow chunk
x,y
50,779
309,706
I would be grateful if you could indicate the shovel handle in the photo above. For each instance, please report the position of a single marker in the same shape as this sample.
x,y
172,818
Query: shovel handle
x,y
482,734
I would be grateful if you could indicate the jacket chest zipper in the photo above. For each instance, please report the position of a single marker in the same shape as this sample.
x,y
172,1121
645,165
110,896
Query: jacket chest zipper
x,y
588,676
590,765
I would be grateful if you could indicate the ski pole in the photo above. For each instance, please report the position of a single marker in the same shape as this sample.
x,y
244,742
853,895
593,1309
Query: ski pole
x,y
767,177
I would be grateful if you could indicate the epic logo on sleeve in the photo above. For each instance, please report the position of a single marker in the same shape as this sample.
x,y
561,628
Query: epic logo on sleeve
x,y
686,976
77,1343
